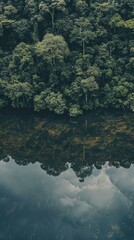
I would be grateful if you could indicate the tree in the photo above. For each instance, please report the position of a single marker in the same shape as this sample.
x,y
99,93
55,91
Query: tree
x,y
3,99
1,29
82,33
20,95
31,8
22,29
131,101
53,49
50,100
50,7
75,110
81,6
22,63
10,11
89,87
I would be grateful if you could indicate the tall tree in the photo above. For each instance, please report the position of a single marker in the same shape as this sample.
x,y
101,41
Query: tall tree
x,y
50,7
53,49
82,33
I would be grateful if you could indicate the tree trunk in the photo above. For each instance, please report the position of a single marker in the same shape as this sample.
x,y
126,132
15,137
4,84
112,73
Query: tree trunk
x,y
53,154
86,123
84,153
86,98
83,47
52,17
35,33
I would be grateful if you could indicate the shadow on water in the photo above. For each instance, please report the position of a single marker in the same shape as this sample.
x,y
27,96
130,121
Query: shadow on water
x,y
88,141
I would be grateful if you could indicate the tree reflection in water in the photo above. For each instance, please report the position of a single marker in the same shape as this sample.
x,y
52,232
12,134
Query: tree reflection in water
x,y
84,143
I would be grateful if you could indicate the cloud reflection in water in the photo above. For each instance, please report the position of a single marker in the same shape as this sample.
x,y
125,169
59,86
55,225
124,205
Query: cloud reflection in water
x,y
62,207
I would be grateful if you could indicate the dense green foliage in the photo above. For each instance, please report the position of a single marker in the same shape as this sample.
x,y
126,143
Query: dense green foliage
x,y
67,55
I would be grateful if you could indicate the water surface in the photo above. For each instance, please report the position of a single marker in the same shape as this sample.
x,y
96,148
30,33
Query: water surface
x,y
66,179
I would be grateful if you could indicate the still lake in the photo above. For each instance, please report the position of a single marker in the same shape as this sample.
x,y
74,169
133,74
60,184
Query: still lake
x,y
66,179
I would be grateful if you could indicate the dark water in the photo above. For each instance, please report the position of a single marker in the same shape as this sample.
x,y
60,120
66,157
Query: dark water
x,y
66,180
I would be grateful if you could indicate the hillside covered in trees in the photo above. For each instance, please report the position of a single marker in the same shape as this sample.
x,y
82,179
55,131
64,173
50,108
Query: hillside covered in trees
x,y
67,55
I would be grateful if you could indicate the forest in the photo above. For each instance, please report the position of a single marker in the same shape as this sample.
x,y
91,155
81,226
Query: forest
x,y
67,56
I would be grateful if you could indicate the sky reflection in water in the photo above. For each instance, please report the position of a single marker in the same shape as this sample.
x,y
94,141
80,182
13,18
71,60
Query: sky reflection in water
x,y
35,205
